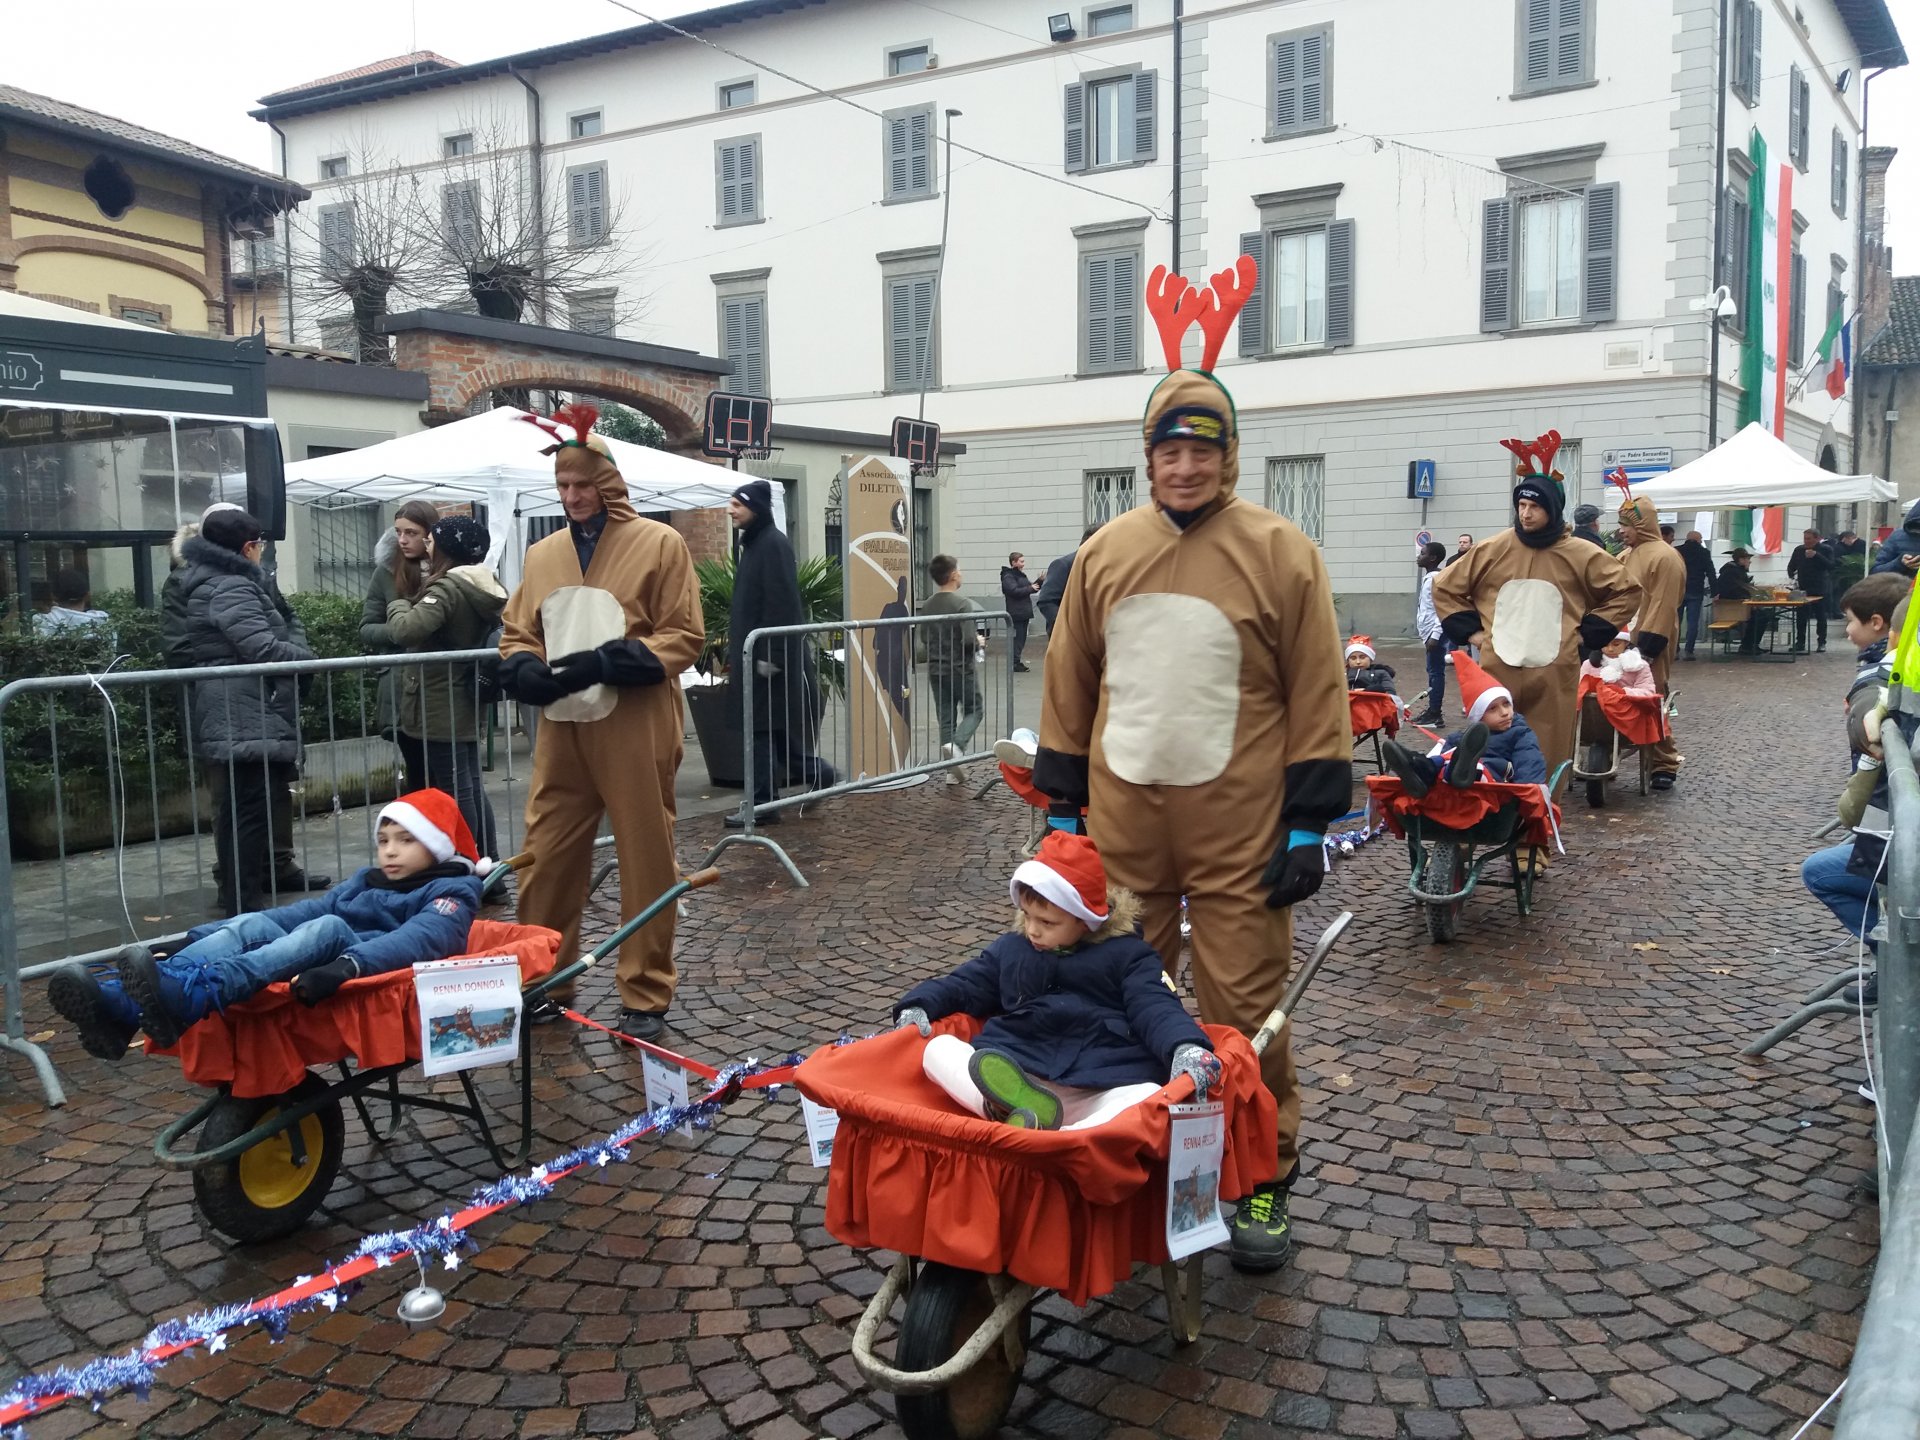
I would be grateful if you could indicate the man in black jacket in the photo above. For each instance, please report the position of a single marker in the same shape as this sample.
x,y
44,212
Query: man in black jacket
x,y
1586,525
1699,586
1019,592
1812,565
766,593
1053,585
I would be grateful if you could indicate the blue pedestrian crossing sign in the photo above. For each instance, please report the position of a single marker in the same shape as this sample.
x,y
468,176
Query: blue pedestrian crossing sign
x,y
1420,479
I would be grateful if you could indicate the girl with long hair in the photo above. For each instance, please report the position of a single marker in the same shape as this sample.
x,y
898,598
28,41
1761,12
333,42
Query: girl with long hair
x,y
399,563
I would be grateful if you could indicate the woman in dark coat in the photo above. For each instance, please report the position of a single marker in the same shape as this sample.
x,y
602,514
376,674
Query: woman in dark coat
x,y
399,573
246,731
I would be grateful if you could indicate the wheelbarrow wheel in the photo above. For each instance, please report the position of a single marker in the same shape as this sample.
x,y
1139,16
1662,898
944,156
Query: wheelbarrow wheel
x,y
1446,875
944,1307
1596,793
263,1193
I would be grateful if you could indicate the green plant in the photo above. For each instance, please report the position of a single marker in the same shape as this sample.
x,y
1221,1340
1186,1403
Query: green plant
x,y
621,423
332,623
820,600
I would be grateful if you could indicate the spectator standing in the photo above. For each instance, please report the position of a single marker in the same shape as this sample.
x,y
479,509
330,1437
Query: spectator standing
x,y
1661,575
1812,565
399,573
72,607
1019,592
1586,525
1053,585
1699,562
951,656
1433,556
1899,553
1460,548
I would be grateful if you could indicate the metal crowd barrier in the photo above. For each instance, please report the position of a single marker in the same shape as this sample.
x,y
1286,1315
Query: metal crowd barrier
x,y
876,703
118,820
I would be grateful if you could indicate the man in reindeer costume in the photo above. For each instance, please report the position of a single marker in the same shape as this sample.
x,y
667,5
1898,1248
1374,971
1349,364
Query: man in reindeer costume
x,y
606,617
1196,704
1534,599
1661,574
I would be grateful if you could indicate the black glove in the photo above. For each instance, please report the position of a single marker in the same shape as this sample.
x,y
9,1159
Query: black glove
x,y
1296,870
1595,633
1062,776
574,673
629,663
310,987
1652,645
1461,626
526,678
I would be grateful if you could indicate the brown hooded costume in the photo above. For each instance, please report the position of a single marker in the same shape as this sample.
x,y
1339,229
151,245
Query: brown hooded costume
x,y
1196,703
1541,597
599,644
1657,568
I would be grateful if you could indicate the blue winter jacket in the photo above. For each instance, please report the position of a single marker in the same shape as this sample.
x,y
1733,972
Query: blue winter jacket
x,y
424,917
1904,541
1513,754
1097,1016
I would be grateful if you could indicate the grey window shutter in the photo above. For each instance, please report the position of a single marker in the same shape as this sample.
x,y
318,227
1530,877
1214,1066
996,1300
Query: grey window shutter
x,y
1753,51
1496,265
923,332
1146,118
1797,309
1795,116
1339,283
900,335
1286,84
1806,114
1076,128
1253,315
336,237
726,161
920,153
586,206
751,367
1123,286
1839,172
1313,80
733,341
747,154
1098,280
899,161
1539,42
1569,43
1600,295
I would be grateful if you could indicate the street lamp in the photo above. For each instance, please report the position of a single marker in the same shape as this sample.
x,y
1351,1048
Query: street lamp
x,y
939,270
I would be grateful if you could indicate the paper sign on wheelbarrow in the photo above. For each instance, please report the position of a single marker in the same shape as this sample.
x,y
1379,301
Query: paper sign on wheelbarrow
x,y
1193,1179
469,1012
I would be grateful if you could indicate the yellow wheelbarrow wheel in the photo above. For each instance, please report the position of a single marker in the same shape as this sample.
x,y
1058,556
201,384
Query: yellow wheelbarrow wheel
x,y
269,1189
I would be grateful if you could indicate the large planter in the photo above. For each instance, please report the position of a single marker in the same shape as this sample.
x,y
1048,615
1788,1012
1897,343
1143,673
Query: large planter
x,y
715,711
360,771
46,821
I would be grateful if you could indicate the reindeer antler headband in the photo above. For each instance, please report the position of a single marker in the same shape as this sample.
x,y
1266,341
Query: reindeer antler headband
x,y
1618,476
1536,456
570,425
1175,305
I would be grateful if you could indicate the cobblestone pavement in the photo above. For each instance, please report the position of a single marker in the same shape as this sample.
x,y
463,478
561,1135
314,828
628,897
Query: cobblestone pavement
x,y
1544,1197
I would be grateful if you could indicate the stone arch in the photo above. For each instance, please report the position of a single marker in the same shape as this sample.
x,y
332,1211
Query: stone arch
x,y
673,408
13,251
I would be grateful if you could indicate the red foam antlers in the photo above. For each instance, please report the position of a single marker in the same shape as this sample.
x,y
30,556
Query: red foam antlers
x,y
1539,452
1175,305
578,417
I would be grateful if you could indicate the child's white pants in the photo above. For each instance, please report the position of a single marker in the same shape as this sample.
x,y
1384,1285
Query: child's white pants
x,y
945,1063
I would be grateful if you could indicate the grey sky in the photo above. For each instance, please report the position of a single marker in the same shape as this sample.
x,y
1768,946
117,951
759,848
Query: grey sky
x,y
194,69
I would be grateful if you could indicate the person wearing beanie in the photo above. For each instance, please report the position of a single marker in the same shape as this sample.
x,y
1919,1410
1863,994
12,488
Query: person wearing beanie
x,y
1497,743
1081,1021
782,668
1661,574
1534,600
416,902
1364,670
440,710
1586,525
1194,706
605,619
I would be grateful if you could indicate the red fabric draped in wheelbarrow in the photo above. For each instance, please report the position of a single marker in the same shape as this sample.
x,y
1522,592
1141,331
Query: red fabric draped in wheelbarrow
x,y
1461,807
1640,719
263,1046
1371,710
1020,780
1071,1210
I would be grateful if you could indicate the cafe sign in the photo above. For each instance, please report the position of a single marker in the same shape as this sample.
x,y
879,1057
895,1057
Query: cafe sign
x,y
20,371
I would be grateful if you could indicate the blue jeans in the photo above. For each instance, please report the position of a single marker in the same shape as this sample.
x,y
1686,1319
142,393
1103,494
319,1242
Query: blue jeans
x,y
250,952
1436,675
1690,608
1849,896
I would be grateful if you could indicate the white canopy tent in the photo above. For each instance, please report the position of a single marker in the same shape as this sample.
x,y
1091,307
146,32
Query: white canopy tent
x,y
1754,469
494,459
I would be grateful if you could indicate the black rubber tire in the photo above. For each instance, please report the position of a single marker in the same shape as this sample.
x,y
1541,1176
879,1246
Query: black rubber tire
x,y
1446,873
221,1190
1596,793
944,1307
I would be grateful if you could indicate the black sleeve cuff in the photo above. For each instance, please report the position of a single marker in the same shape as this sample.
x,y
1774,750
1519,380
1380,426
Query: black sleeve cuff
x,y
1595,632
1062,776
630,663
1317,794
1461,626
1651,645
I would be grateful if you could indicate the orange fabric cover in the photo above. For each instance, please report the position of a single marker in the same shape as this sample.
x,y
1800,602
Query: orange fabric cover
x,y
1370,710
1640,719
1071,1210
263,1046
1462,807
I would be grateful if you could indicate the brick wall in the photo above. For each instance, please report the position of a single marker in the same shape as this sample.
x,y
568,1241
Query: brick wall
x,y
705,532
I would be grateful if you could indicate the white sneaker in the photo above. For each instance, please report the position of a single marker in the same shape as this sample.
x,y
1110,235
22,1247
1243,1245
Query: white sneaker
x,y
952,752
1014,754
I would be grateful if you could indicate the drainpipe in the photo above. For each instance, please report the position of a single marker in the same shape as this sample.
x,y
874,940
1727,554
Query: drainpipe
x,y
1859,406
1719,221
1179,131
537,158
286,242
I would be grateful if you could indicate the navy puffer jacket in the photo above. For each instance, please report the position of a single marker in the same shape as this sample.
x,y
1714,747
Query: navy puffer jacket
x,y
231,620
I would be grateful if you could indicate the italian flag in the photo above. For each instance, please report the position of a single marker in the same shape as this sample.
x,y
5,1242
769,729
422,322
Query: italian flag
x,y
1831,362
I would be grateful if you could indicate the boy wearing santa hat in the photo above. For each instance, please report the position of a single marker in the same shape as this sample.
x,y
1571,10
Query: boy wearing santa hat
x,y
1497,741
415,903
1364,670
1081,1022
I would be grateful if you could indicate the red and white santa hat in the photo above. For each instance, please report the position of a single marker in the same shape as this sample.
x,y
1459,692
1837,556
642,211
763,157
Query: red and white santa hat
x,y
1360,645
432,818
1477,688
1067,871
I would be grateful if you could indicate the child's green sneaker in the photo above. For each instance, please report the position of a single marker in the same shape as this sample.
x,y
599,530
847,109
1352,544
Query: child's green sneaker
x,y
1010,1095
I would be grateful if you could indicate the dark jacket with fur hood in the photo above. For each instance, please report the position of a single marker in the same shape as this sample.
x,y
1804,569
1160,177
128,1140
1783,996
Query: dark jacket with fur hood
x,y
1099,1015
230,618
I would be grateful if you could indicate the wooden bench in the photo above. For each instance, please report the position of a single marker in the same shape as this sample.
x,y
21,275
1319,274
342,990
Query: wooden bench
x,y
1728,626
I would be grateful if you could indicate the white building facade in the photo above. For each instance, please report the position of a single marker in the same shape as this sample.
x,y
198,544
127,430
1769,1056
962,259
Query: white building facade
x,y
1474,220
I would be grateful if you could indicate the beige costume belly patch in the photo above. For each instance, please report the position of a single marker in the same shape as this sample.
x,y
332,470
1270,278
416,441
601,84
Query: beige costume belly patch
x,y
1173,690
575,618
1526,623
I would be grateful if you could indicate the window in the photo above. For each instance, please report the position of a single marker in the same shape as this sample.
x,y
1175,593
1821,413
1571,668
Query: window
x,y
336,238
1840,164
736,169
591,312
334,167
1110,21
1796,307
1555,47
586,205
1298,71
743,341
1296,488
1549,256
1303,296
1836,299
1736,270
343,530
1567,462
908,60
260,254
340,335
738,95
912,353
1744,64
1299,275
580,127
454,146
141,315
1110,299
1111,120
1799,101
460,216
1109,494
907,135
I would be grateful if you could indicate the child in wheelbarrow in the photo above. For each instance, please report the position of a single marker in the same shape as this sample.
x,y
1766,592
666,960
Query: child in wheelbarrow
x,y
1497,744
1364,670
1081,1021
1621,664
416,902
